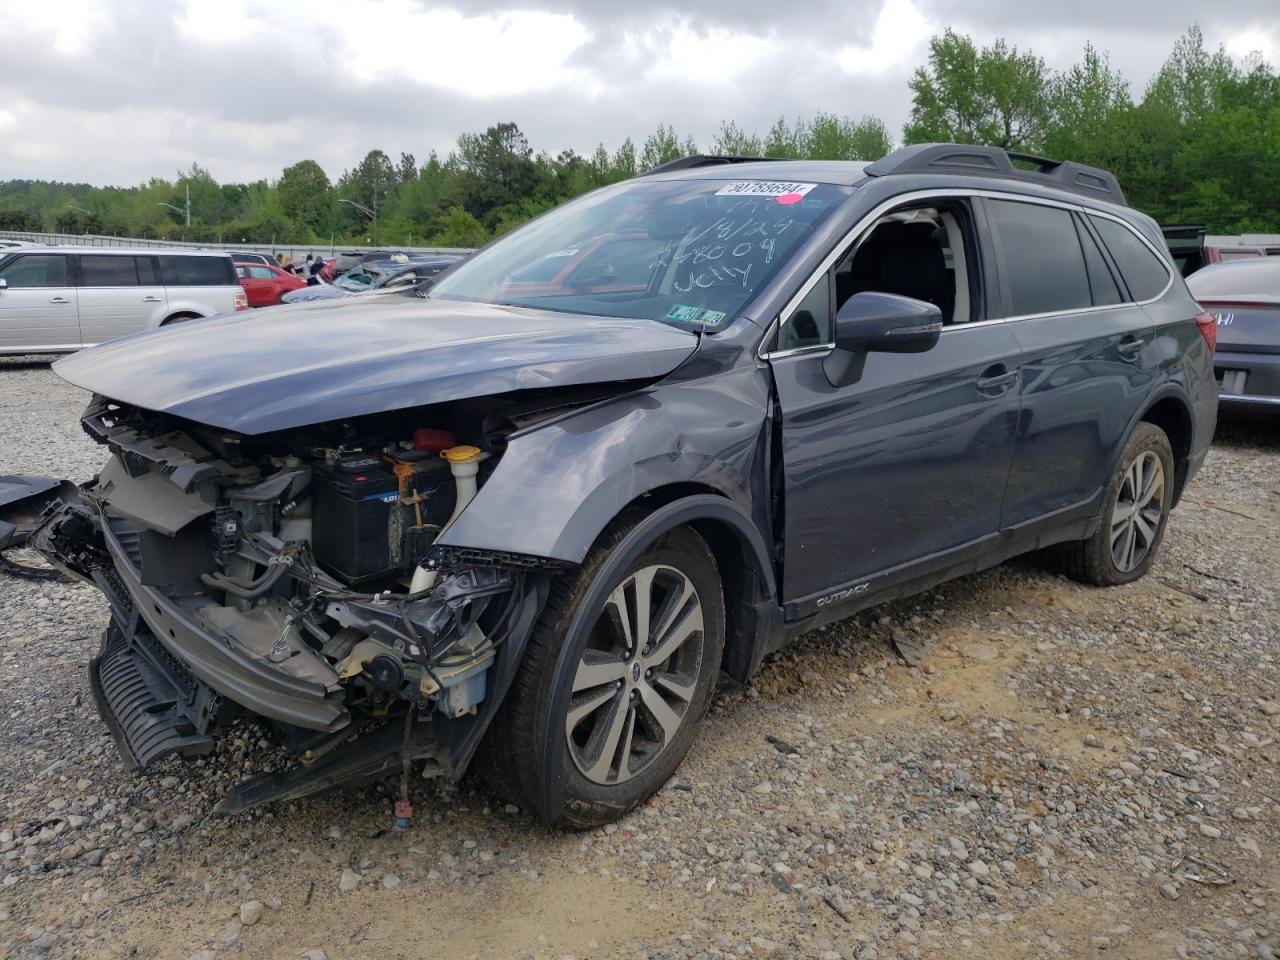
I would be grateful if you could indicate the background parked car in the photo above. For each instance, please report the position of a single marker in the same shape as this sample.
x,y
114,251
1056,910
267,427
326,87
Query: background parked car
x,y
263,258
1244,296
343,262
379,275
266,285
59,299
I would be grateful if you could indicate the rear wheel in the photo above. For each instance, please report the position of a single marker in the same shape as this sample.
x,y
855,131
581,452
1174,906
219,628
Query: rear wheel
x,y
1138,502
621,668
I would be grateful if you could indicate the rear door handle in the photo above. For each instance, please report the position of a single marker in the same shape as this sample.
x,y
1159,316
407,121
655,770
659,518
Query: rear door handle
x,y
996,380
62,300
1130,347
150,299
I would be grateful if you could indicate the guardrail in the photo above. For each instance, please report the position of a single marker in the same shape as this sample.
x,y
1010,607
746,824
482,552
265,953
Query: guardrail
x,y
294,251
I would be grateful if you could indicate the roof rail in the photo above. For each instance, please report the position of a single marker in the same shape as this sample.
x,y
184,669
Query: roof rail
x,y
704,160
983,161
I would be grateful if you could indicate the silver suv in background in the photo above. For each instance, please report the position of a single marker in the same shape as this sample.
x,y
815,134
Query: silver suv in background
x,y
59,299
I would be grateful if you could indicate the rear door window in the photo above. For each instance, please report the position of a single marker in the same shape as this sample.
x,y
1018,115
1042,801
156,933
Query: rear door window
x,y
1144,273
106,270
179,271
38,270
1102,284
261,273
1044,266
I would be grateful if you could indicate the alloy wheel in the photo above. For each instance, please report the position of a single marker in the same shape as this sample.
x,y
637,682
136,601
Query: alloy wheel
x,y
1138,511
636,676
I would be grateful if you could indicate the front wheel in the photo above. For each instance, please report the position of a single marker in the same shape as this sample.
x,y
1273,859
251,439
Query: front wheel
x,y
621,667
1137,506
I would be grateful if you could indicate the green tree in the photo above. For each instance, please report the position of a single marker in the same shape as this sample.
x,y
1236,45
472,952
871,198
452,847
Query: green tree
x,y
499,166
76,221
1085,101
371,184
624,161
1189,83
407,168
662,146
828,137
732,141
19,220
306,196
994,96
458,228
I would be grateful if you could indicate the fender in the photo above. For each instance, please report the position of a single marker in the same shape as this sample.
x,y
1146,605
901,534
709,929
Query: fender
x,y
558,485
654,525
1168,389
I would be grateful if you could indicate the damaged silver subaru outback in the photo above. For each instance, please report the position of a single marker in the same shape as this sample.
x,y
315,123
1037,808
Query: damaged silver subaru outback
x,y
529,516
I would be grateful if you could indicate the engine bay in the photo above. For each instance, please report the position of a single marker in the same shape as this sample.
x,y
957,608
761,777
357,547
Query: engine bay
x,y
299,574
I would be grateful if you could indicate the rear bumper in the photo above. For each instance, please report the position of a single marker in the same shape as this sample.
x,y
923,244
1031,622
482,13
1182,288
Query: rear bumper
x,y
1248,381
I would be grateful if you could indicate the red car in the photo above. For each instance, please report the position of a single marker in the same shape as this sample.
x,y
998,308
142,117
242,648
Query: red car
x,y
266,285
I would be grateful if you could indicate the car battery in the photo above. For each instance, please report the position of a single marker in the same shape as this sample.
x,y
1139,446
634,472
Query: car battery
x,y
420,475
355,500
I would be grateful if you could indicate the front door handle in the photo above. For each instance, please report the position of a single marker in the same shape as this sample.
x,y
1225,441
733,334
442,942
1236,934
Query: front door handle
x,y
61,300
996,380
1130,347
150,299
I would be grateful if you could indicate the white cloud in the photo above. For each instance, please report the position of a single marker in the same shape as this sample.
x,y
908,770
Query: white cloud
x,y
1255,40
117,91
900,36
704,57
385,41
65,26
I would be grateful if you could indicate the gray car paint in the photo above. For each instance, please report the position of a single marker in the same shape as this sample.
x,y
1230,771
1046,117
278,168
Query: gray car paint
x,y
284,367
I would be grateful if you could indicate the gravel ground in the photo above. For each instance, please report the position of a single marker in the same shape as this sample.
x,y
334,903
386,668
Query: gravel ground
x,y
1049,781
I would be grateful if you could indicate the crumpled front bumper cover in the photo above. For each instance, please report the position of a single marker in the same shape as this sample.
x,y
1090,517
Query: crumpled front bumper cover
x,y
233,673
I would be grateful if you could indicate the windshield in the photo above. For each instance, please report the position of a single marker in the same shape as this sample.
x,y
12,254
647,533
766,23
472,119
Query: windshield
x,y
687,252
358,279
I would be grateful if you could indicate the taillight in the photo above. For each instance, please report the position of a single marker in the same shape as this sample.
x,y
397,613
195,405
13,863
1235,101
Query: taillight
x,y
1207,324
242,301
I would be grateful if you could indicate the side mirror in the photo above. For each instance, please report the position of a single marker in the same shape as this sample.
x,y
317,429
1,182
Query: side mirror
x,y
4,284
879,323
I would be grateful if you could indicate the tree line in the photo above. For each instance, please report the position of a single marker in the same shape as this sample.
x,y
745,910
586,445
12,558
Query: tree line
x,y
1201,145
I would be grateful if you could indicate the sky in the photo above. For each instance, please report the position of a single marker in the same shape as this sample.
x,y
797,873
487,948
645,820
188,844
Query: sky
x,y
119,91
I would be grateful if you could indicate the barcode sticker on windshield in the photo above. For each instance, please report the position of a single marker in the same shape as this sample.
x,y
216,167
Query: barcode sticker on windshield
x,y
765,188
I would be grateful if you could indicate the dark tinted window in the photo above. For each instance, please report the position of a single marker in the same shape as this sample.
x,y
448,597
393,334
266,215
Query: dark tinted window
x,y
811,324
105,270
147,275
36,271
1144,274
180,271
1044,266
1101,283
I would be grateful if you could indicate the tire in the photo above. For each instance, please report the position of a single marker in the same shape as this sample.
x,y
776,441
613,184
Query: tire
x,y
1104,561
572,645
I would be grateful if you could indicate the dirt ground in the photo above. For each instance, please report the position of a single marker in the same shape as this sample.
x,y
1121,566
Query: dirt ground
x,y
1047,781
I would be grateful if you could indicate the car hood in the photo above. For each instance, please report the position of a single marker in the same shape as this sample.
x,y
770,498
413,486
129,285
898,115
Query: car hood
x,y
289,366
323,291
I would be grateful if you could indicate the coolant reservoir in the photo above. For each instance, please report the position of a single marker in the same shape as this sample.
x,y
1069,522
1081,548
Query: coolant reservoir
x,y
464,464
